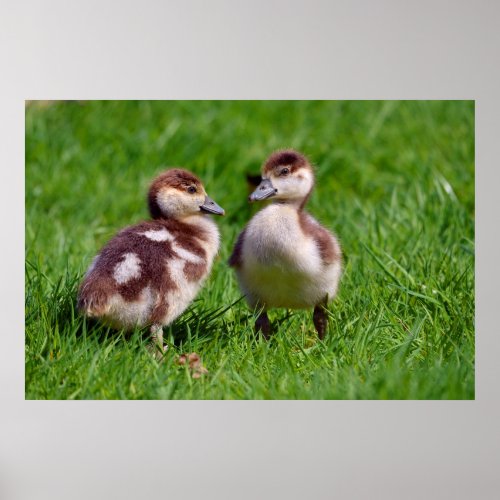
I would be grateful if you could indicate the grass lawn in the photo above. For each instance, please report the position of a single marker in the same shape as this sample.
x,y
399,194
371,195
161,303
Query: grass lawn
x,y
395,181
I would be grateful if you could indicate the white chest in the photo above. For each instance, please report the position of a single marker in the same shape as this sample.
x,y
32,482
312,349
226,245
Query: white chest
x,y
274,238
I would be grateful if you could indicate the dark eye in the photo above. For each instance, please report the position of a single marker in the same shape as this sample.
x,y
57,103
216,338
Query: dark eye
x,y
285,171
191,189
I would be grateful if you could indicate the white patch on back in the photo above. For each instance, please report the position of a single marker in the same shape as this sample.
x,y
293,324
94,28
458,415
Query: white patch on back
x,y
158,235
127,269
186,254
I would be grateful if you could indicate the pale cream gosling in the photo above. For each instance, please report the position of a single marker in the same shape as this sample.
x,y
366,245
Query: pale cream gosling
x,y
284,257
149,273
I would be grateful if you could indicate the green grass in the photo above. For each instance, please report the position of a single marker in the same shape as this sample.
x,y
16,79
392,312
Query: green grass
x,y
395,182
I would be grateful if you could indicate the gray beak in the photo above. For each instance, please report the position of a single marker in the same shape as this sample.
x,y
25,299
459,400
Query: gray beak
x,y
264,190
209,206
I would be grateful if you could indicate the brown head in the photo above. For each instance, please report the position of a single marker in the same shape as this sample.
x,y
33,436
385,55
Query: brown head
x,y
178,193
287,176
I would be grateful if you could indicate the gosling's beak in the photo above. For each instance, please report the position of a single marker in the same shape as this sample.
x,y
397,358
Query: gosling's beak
x,y
209,206
264,190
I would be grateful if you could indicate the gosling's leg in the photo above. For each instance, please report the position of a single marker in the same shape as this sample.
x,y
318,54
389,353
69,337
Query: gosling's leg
x,y
264,325
156,347
320,318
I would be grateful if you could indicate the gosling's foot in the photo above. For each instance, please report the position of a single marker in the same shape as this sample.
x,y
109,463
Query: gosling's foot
x,y
156,346
157,351
320,319
263,325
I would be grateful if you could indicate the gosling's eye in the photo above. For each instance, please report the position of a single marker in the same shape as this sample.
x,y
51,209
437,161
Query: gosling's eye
x,y
191,189
285,171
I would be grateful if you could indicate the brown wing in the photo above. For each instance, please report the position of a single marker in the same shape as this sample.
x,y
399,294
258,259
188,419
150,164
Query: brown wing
x,y
99,284
235,259
328,246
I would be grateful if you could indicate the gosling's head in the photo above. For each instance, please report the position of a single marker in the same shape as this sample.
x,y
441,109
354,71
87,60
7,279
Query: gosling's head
x,y
178,193
286,176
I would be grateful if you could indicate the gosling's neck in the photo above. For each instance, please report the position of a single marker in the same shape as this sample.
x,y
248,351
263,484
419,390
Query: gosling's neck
x,y
185,219
294,203
201,218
